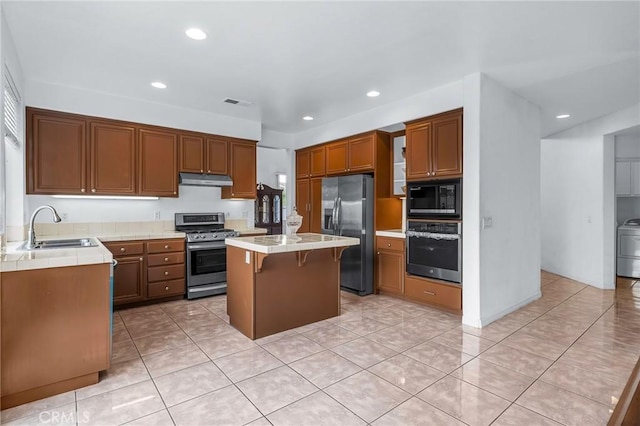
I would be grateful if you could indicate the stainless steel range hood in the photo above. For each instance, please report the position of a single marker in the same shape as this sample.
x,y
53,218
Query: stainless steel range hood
x,y
196,179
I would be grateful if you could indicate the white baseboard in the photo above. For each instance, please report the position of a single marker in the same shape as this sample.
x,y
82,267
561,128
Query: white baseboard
x,y
484,321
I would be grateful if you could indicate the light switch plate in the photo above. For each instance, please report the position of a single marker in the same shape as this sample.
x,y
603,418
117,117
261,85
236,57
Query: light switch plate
x,y
487,222
247,259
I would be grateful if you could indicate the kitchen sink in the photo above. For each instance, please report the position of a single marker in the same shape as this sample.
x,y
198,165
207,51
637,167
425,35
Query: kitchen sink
x,y
68,243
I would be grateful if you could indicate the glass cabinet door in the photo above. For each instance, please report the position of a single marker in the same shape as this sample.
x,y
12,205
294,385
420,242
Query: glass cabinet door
x,y
276,209
266,209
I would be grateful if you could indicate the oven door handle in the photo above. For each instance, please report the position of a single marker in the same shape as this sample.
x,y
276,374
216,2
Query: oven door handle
x,y
433,236
192,247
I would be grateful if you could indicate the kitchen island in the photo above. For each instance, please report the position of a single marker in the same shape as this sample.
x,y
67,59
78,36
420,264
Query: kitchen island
x,y
279,282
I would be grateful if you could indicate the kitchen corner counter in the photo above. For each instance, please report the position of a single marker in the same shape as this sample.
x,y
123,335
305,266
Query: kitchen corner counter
x,y
15,260
271,244
392,233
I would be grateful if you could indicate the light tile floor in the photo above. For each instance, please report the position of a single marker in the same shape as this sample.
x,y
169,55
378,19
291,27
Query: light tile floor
x,y
563,359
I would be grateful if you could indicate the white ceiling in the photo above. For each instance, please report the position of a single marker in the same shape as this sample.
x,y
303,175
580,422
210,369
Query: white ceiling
x,y
320,58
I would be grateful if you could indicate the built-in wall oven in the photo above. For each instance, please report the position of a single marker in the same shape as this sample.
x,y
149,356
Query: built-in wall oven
x,y
435,199
434,250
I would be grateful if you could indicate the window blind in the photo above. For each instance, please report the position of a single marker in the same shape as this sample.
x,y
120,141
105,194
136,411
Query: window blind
x,y
11,107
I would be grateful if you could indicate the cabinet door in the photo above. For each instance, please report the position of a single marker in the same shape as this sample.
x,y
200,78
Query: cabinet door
x,y
158,163
315,222
128,280
242,170
56,154
623,178
390,271
446,146
302,163
337,157
302,203
635,178
217,156
192,154
417,153
362,153
317,161
113,159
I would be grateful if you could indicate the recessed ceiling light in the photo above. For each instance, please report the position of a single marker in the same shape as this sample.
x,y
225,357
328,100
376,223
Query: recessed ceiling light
x,y
307,118
196,34
563,116
373,93
159,85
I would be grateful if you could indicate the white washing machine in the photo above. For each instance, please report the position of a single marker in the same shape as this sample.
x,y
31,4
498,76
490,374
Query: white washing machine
x,y
628,264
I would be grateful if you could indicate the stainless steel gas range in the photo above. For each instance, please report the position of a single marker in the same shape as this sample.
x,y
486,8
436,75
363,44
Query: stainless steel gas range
x,y
206,252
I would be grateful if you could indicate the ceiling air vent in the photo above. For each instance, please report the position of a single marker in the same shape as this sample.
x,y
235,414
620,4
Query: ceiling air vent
x,y
236,102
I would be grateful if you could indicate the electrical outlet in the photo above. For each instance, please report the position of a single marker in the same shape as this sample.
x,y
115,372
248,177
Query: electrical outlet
x,y
487,222
64,216
156,215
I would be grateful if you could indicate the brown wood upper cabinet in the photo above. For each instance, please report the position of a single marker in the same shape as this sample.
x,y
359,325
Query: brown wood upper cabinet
x,y
356,154
203,154
434,146
112,152
303,165
56,153
158,163
242,168
310,162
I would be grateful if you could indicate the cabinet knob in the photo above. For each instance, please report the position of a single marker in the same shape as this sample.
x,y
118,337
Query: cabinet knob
x,y
141,259
82,190
378,253
174,192
434,173
166,246
201,171
233,193
166,259
93,190
388,244
122,249
166,273
208,171
166,288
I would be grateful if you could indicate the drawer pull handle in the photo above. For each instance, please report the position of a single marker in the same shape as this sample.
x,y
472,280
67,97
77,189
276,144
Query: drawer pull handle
x,y
166,259
166,246
167,288
430,293
122,249
166,272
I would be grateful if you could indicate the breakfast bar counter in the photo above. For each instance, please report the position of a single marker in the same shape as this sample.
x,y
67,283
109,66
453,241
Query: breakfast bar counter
x,y
279,282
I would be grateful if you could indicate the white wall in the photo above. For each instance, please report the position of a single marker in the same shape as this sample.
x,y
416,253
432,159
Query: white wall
x,y
502,181
577,188
424,104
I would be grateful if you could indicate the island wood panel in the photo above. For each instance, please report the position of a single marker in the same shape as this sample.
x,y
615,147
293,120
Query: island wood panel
x,y
240,290
290,296
55,331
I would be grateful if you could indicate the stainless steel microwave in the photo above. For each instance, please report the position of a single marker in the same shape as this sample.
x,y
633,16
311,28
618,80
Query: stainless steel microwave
x,y
435,199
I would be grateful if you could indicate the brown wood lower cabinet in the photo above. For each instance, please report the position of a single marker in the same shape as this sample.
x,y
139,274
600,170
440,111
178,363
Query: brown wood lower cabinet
x,y
391,278
55,331
147,270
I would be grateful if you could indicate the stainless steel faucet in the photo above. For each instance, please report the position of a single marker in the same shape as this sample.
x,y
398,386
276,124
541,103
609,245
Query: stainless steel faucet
x,y
31,237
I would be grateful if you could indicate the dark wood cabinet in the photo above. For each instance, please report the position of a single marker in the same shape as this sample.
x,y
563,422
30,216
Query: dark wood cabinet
x,y
157,158
112,152
434,147
362,153
192,154
390,264
303,203
317,166
128,280
303,165
337,157
242,170
217,156
203,154
56,153
268,209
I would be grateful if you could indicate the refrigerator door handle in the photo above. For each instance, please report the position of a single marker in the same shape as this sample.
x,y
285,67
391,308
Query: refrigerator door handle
x,y
338,217
333,215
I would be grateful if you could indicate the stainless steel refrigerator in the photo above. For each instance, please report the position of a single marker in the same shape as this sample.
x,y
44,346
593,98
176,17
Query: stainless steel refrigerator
x,y
347,210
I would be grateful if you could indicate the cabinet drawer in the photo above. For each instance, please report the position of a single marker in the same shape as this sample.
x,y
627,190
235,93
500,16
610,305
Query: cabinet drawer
x,y
165,288
160,273
125,249
389,243
165,246
165,259
432,292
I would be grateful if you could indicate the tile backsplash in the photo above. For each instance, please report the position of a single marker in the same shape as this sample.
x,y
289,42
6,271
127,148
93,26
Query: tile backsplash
x,y
103,228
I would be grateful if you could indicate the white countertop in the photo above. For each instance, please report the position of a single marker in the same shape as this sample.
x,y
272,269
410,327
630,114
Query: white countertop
x,y
393,233
15,260
271,244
